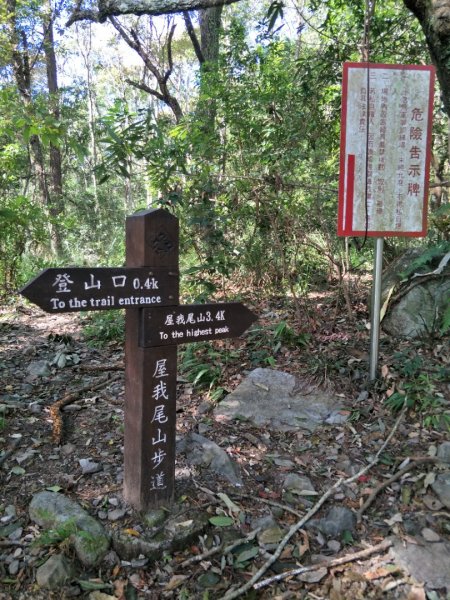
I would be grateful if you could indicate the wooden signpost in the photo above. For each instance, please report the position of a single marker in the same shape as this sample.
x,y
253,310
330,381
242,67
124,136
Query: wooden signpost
x,y
155,323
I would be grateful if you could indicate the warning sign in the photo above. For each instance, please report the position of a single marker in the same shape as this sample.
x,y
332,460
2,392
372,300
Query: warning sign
x,y
385,149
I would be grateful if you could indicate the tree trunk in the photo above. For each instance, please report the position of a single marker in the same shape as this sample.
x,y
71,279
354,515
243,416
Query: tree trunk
x,y
434,18
85,47
210,24
55,199
22,73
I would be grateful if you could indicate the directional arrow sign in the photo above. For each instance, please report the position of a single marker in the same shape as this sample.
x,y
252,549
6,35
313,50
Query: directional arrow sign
x,y
79,288
194,323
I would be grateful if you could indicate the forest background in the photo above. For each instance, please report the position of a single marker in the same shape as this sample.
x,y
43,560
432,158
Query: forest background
x,y
228,116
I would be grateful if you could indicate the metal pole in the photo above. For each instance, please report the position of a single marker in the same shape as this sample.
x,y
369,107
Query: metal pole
x,y
376,309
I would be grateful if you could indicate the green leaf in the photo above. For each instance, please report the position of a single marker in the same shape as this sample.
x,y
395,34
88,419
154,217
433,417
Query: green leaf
x,y
54,488
208,579
92,585
18,470
347,537
221,521
247,554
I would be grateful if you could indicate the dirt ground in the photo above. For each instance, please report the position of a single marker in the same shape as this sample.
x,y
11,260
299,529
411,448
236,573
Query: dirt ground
x,y
334,354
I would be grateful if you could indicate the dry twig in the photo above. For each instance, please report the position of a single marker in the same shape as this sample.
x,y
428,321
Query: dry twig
x,y
312,511
423,460
219,549
342,560
55,409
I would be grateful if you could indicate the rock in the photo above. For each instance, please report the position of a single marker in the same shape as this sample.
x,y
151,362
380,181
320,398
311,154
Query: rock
x,y
55,572
298,484
38,368
51,510
337,520
334,545
178,533
116,514
185,530
201,451
430,535
443,452
415,312
277,400
129,547
429,563
441,487
111,559
154,518
14,567
68,449
88,466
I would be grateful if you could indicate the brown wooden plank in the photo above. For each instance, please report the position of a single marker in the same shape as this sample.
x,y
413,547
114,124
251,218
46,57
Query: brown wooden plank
x,y
150,374
194,323
101,288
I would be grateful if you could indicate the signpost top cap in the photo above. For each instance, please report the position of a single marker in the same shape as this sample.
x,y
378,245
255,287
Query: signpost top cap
x,y
153,213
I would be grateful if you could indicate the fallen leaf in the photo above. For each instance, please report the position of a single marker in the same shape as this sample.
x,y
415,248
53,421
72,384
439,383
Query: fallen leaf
x,y
304,545
382,572
429,479
101,596
384,371
175,582
132,532
416,593
397,518
234,508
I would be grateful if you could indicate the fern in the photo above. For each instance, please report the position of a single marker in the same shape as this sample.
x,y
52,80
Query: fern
x,y
426,259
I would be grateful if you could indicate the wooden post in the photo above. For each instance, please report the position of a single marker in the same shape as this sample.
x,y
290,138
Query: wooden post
x,y
152,238
151,279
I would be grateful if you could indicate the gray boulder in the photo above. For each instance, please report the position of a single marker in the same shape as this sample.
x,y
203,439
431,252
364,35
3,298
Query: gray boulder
x,y
422,300
206,453
276,400
55,572
51,510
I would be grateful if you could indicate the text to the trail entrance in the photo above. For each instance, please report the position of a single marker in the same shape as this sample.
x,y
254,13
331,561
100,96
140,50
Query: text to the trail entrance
x,y
76,289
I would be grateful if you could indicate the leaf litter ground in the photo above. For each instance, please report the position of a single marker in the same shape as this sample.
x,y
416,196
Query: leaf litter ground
x,y
331,350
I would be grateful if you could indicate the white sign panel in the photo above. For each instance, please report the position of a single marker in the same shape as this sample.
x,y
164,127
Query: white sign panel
x,y
385,149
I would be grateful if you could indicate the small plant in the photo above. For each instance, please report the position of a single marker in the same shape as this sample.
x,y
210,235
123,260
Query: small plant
x,y
104,327
58,535
418,391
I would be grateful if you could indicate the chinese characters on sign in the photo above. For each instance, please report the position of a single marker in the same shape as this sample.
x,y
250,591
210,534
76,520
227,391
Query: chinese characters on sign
x,y
155,323
194,323
160,418
75,289
385,149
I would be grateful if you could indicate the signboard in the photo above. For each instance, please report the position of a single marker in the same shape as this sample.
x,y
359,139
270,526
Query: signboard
x,y
154,324
385,149
194,323
80,288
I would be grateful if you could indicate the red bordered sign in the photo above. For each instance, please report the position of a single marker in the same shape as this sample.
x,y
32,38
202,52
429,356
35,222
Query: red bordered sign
x,y
385,149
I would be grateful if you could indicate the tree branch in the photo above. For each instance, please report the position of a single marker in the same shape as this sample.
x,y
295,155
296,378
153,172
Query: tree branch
x,y
108,8
168,73
194,39
145,88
